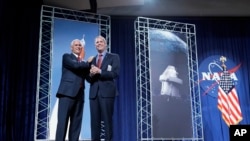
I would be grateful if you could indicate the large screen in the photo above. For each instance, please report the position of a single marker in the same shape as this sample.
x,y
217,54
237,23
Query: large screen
x,y
64,32
171,104
59,26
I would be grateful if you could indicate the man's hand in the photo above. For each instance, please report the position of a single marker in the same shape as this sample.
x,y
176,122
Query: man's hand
x,y
94,70
90,59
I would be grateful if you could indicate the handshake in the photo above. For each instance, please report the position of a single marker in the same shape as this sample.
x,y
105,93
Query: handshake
x,y
94,69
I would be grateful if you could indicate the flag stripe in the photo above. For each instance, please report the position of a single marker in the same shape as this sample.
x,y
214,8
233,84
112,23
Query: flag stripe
x,y
228,102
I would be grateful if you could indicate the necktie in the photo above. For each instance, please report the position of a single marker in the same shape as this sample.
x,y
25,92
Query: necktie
x,y
99,61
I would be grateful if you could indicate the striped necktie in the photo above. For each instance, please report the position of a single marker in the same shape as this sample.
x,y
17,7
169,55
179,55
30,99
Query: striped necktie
x,y
99,61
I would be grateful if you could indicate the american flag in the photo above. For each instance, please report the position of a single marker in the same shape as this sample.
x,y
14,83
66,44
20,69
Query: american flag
x,y
228,102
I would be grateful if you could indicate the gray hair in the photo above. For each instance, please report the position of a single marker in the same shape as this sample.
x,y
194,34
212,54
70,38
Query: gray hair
x,y
73,41
101,37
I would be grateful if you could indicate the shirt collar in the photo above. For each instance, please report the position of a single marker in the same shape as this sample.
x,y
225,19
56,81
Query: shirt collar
x,y
103,53
75,55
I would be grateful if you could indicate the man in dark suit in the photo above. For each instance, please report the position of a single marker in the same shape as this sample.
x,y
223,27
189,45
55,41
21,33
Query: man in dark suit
x,y
104,70
71,93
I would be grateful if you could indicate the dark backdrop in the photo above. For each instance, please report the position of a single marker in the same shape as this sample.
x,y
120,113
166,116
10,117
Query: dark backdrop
x,y
19,56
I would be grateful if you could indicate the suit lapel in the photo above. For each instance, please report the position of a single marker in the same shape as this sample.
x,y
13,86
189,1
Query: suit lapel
x,y
105,60
73,56
95,60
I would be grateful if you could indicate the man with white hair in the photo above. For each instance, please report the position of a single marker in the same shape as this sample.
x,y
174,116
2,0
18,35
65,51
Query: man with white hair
x,y
70,93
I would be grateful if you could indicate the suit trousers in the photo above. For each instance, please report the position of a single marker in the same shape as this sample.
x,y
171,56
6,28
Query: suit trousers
x,y
69,109
101,109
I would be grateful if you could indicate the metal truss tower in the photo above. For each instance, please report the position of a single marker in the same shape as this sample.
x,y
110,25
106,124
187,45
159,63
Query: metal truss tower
x,y
142,26
48,14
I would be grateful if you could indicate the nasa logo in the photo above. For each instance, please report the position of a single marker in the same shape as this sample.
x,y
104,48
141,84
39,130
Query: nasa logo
x,y
210,71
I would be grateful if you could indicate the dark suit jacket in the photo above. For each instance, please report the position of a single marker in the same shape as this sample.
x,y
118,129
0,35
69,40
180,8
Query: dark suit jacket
x,y
73,75
105,82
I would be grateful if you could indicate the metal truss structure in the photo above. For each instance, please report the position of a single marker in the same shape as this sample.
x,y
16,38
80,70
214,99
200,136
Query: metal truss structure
x,y
144,104
48,14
